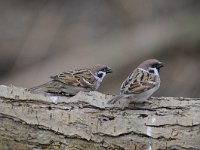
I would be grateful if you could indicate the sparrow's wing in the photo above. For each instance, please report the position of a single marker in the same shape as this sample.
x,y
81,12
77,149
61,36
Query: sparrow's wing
x,y
79,78
138,81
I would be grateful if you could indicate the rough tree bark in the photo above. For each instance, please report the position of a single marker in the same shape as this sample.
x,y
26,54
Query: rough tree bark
x,y
86,122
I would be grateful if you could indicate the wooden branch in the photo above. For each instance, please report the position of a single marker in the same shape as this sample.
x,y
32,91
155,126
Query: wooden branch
x,y
85,121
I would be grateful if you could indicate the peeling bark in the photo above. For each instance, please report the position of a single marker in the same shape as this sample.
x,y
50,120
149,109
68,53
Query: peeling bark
x,y
85,121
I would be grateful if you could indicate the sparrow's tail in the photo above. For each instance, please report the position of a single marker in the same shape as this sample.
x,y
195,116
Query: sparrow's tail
x,y
115,99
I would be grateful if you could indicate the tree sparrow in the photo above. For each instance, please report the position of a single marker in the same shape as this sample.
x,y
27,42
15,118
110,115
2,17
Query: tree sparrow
x,y
141,83
71,82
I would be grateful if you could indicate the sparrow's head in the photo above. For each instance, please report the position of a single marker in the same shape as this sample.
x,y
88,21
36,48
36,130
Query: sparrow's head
x,y
152,66
100,71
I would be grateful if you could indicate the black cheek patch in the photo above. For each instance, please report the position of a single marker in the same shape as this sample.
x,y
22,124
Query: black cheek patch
x,y
151,71
100,75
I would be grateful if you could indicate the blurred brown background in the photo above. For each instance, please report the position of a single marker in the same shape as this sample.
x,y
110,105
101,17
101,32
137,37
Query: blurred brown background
x,y
44,37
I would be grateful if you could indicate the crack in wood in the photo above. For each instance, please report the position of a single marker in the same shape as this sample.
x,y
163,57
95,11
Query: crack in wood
x,y
161,138
172,125
178,147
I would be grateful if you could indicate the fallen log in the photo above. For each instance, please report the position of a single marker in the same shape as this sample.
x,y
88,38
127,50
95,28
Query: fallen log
x,y
87,122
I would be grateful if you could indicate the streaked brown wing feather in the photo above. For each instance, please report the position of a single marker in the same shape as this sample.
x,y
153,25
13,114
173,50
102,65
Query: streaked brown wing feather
x,y
80,78
86,78
67,78
137,82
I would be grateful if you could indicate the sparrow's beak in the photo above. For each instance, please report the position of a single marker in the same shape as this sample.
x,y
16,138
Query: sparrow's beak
x,y
161,64
108,70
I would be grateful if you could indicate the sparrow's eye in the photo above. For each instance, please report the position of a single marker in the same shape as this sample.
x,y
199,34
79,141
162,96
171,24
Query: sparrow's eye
x,y
104,69
154,66
100,75
107,70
